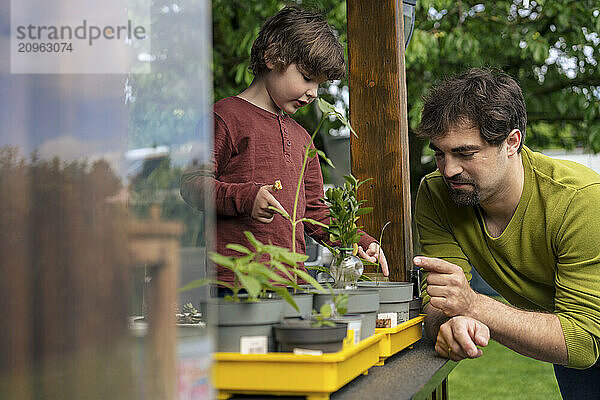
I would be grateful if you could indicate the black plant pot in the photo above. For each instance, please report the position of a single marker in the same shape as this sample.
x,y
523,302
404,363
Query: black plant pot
x,y
294,333
415,307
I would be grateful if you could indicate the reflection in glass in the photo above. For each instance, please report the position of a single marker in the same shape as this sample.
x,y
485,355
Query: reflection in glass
x,y
90,167
408,8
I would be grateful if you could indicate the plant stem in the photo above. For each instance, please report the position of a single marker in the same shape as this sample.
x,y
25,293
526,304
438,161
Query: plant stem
x,y
305,161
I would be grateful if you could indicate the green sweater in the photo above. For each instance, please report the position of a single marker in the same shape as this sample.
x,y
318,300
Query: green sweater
x,y
548,257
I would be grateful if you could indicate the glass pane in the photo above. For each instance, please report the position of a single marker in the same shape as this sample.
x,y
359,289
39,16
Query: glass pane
x,y
93,231
409,22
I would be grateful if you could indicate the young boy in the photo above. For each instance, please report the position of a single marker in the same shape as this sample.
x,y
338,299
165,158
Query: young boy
x,y
257,143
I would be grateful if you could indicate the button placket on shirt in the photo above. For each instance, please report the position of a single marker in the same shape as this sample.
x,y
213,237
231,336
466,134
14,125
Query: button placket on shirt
x,y
287,143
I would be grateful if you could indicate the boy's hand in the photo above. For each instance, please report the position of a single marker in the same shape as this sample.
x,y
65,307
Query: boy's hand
x,y
264,199
372,253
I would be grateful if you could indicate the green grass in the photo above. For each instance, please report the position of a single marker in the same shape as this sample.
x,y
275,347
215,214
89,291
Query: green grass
x,y
500,373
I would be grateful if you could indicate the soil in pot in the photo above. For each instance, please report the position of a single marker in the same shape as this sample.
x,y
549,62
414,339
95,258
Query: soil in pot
x,y
300,334
364,301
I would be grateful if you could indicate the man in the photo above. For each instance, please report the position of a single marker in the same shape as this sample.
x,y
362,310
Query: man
x,y
529,224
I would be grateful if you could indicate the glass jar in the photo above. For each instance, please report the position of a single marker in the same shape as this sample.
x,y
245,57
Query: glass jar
x,y
346,269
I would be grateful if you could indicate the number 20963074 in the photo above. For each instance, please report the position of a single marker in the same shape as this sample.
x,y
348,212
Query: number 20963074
x,y
44,47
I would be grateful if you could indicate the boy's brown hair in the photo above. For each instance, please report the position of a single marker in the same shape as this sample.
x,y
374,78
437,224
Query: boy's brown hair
x,y
304,38
488,99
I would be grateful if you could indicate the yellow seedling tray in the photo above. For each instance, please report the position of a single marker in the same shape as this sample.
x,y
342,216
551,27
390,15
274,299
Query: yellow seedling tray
x,y
399,337
313,376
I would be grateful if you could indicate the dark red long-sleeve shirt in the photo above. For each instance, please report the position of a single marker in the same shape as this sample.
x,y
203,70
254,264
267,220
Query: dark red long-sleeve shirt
x,y
254,147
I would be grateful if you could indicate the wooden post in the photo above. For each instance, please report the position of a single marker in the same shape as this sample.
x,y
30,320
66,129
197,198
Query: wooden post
x,y
378,114
155,244
64,287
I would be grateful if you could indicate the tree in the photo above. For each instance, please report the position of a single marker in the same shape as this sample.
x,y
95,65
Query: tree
x,y
550,46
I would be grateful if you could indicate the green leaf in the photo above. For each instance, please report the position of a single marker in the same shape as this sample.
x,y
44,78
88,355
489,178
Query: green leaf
x,y
284,213
283,292
312,152
334,230
280,267
362,182
271,275
314,222
257,245
228,262
364,210
292,258
332,249
319,268
251,284
324,157
351,180
325,310
312,281
195,284
238,247
325,107
341,303
356,238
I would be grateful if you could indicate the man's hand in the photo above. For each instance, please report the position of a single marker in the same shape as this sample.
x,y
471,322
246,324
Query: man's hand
x,y
264,199
459,337
448,287
374,253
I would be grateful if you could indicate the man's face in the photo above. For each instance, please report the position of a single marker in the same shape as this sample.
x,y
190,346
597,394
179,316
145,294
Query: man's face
x,y
291,88
473,170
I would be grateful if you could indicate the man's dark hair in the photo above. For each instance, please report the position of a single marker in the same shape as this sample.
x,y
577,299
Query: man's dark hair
x,y
304,38
488,99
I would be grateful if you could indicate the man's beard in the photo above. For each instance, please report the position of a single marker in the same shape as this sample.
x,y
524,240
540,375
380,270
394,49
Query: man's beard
x,y
463,197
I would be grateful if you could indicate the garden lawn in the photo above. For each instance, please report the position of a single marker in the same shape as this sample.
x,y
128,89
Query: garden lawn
x,y
500,373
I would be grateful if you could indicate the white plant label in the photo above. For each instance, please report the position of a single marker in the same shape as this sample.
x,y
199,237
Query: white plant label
x,y
254,345
307,352
387,320
354,327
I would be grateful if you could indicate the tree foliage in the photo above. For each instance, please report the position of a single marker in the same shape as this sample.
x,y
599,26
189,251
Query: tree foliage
x,y
550,46
167,104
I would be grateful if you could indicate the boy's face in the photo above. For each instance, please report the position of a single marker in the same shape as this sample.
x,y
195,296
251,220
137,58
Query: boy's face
x,y
291,88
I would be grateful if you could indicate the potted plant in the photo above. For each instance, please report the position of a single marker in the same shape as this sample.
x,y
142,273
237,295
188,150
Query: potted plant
x,y
246,317
189,316
322,332
394,297
344,211
254,313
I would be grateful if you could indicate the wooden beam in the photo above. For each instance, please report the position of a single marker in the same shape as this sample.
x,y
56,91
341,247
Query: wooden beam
x,y
378,113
